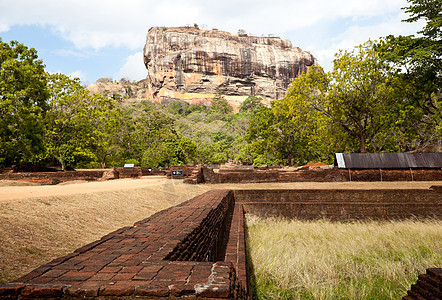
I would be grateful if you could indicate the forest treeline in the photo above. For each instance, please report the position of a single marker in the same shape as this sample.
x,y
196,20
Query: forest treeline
x,y
382,96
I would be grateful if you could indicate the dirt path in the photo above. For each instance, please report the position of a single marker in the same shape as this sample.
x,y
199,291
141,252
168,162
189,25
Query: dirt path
x,y
23,192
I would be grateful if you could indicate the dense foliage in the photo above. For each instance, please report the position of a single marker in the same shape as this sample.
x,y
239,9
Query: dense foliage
x,y
23,102
380,97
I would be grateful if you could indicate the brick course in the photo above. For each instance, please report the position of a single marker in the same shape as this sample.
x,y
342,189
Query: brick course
x,y
207,175
343,204
428,286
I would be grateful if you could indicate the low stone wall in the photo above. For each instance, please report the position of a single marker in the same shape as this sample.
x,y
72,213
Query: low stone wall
x,y
50,178
316,175
343,204
198,250
189,171
428,286
138,172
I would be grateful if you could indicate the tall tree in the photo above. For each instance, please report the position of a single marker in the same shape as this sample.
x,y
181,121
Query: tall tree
x,y
68,128
107,138
23,96
262,137
292,131
417,62
360,99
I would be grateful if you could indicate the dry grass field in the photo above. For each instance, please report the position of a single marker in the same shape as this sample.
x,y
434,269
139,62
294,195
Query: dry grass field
x,y
40,223
333,260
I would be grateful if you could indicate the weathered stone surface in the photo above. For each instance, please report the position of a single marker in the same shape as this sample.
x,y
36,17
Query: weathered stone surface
x,y
193,65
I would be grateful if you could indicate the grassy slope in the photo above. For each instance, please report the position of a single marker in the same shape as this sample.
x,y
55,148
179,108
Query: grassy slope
x,y
324,260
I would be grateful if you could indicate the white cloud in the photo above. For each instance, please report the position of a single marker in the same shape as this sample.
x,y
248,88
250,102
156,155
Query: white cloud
x,y
94,25
358,34
4,27
71,53
78,74
98,24
133,68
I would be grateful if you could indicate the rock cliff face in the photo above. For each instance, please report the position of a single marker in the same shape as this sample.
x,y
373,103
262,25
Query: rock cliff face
x,y
191,64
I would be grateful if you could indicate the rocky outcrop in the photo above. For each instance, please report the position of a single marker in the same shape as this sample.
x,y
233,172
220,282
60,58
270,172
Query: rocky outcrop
x,y
124,90
189,63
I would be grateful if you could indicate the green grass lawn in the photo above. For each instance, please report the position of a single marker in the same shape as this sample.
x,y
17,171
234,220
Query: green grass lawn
x,y
332,260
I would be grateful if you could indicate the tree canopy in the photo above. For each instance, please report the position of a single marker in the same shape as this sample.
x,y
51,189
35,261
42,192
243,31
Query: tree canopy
x,y
23,103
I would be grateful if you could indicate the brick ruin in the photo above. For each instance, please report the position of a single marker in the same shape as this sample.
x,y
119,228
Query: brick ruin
x,y
242,174
204,174
56,177
197,249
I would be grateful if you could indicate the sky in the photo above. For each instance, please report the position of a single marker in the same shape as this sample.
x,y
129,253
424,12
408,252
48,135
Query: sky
x,y
105,38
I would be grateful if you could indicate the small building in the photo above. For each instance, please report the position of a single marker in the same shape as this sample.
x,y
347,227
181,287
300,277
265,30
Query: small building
x,y
389,160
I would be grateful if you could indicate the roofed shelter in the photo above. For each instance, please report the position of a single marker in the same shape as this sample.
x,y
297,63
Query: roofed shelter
x,y
389,160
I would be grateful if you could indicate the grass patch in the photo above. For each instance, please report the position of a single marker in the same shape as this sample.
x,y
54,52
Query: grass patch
x,y
328,260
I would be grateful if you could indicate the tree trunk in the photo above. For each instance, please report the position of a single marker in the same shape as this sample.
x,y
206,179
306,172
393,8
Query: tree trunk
x,y
103,162
362,141
63,164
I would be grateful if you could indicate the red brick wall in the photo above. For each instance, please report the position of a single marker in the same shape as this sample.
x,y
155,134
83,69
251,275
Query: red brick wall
x,y
342,204
428,286
53,177
320,175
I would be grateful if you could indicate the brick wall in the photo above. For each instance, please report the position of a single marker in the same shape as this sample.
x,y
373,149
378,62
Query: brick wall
x,y
138,172
54,177
51,178
428,286
207,241
318,175
343,204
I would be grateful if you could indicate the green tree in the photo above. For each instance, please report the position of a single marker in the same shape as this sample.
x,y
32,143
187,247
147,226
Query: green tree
x,y
360,98
67,123
417,65
219,108
157,142
23,97
292,131
251,105
301,127
106,119
262,138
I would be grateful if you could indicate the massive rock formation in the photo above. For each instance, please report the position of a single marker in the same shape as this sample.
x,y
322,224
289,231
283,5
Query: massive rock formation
x,y
186,63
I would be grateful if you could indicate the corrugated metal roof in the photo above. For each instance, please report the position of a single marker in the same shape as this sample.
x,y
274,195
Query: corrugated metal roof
x,y
388,160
